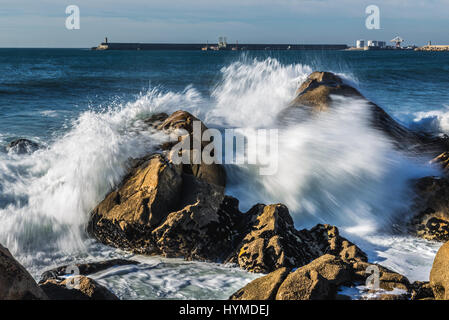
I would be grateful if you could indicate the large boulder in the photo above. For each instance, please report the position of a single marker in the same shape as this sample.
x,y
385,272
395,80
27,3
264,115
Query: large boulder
x,y
182,124
162,205
15,282
319,280
203,229
323,278
204,224
388,279
273,242
264,288
142,201
439,275
76,288
317,92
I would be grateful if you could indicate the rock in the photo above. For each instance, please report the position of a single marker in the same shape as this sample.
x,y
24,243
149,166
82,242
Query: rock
x,y
182,120
324,277
203,226
388,279
421,290
22,146
319,280
316,90
442,160
15,282
264,288
439,275
431,205
204,229
80,288
143,200
84,268
316,95
273,242
156,119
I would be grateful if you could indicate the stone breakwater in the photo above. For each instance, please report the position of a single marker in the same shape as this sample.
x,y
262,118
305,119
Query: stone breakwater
x,y
433,48
182,210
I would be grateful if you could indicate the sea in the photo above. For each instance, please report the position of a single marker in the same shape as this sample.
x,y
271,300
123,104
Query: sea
x,y
85,109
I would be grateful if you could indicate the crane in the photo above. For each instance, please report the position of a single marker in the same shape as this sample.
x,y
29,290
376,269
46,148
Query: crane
x,y
397,41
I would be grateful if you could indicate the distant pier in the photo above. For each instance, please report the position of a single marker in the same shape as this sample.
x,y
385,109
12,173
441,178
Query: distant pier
x,y
433,48
207,47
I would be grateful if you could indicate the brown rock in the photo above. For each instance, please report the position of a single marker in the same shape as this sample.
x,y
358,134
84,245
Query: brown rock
x,y
319,280
201,230
388,279
141,202
323,277
439,275
316,90
183,122
273,242
15,282
81,288
316,94
264,288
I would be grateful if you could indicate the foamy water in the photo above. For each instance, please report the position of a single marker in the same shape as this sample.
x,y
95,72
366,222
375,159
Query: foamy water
x,y
332,169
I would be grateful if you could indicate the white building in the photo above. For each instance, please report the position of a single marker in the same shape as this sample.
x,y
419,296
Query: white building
x,y
360,44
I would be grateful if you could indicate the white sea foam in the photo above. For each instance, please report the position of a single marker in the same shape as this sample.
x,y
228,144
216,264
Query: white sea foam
x,y
433,121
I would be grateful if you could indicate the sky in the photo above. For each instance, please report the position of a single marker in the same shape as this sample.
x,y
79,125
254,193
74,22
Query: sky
x,y
42,23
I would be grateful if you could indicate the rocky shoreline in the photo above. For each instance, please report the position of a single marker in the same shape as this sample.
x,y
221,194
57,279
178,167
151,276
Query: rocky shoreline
x,y
181,210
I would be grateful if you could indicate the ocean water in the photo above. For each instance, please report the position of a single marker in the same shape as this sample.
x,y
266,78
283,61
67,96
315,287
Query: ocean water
x,y
85,109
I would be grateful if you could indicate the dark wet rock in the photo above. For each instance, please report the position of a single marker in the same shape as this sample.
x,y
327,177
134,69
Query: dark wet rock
x,y
76,288
316,95
15,282
273,242
439,275
431,204
84,268
22,146
421,290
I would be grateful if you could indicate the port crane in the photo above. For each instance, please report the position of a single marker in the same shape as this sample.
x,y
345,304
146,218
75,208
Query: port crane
x,y
397,41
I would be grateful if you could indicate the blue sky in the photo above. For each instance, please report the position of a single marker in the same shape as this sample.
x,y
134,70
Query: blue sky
x,y
31,23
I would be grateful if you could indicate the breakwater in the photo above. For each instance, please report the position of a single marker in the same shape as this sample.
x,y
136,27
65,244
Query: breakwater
x,y
202,46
